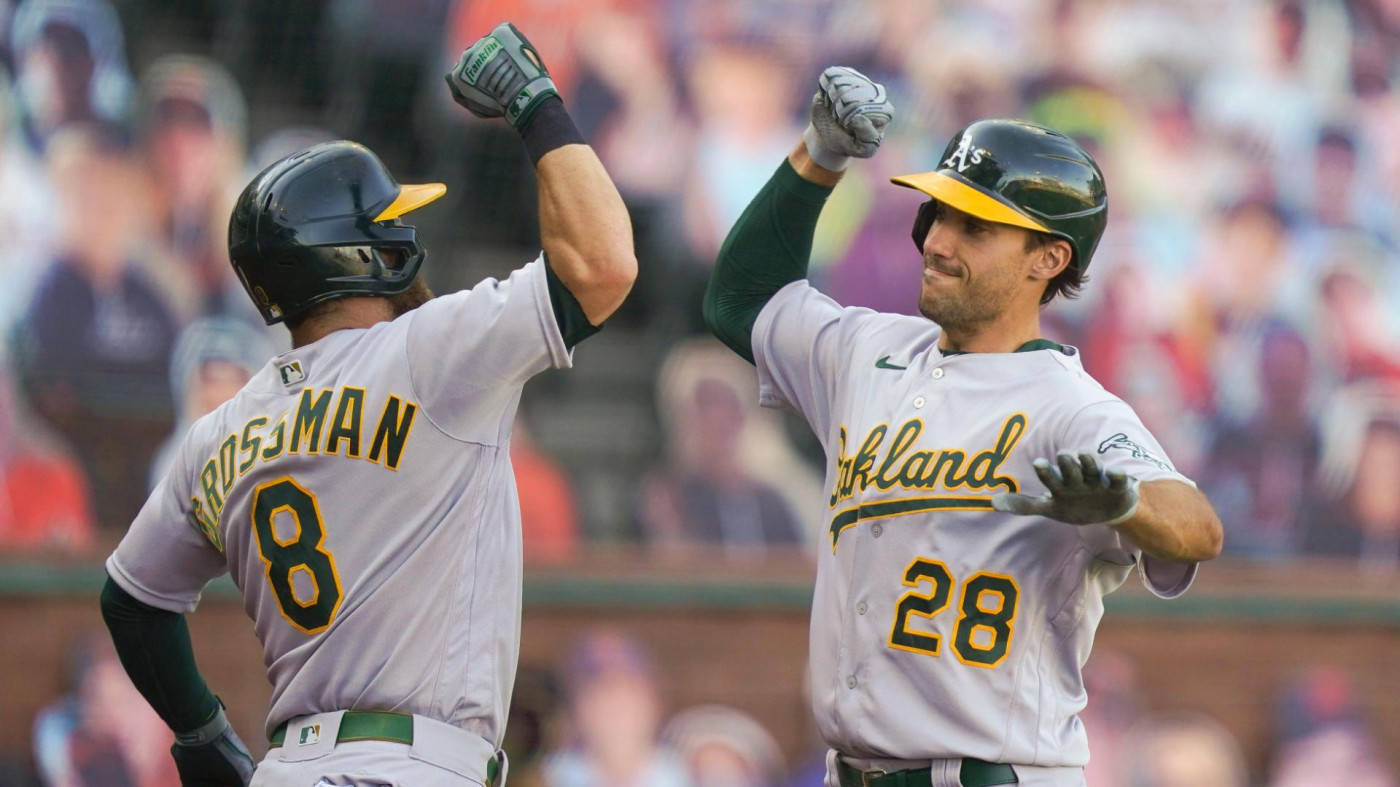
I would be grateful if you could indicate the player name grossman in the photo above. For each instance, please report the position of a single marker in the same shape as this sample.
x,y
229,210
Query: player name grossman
x,y
327,422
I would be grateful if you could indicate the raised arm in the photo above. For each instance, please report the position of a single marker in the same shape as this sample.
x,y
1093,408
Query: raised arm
x,y
584,227
769,245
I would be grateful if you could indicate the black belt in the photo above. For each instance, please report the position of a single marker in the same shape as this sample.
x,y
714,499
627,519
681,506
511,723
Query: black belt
x,y
973,773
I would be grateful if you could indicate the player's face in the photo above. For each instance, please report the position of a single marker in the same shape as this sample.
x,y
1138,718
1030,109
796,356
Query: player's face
x,y
973,269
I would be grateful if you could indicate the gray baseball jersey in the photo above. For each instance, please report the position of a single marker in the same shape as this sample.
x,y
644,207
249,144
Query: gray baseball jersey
x,y
360,493
940,627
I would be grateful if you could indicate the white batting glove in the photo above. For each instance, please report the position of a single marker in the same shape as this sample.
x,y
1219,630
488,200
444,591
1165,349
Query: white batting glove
x,y
1080,492
850,112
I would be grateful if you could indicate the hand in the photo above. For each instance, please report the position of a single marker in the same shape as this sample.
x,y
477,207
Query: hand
x,y
848,118
212,756
1080,493
501,75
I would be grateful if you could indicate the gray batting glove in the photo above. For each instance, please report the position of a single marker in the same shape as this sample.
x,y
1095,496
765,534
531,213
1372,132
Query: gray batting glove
x,y
501,75
212,756
1080,492
849,115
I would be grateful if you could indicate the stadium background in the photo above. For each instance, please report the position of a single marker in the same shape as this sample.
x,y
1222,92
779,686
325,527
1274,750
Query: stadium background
x,y
1244,301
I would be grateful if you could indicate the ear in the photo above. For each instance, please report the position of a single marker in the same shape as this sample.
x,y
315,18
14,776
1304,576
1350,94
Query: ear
x,y
1050,259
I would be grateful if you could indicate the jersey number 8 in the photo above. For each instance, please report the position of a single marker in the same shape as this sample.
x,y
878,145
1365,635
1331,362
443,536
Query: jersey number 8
x,y
283,558
987,610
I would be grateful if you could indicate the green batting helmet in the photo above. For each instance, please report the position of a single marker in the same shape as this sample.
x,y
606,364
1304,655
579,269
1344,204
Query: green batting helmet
x,y
1018,173
309,229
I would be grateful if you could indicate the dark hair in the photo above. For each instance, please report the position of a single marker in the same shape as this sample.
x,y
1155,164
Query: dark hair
x,y
1069,281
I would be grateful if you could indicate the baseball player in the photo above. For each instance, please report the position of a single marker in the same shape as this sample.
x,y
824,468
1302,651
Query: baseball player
x,y
358,489
983,492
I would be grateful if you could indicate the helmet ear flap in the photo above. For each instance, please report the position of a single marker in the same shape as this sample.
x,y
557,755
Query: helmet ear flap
x,y
922,222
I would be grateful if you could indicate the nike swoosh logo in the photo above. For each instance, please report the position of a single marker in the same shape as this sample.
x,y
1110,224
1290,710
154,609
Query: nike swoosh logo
x,y
884,363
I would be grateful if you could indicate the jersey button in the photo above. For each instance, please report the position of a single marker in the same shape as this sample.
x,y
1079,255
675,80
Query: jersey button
x,y
850,681
876,529
938,373
918,402
860,608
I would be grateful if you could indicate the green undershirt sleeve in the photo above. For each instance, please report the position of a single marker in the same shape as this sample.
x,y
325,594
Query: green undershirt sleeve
x,y
154,648
568,313
767,249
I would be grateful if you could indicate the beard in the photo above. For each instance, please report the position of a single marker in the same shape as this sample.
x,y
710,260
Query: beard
x,y
970,305
416,295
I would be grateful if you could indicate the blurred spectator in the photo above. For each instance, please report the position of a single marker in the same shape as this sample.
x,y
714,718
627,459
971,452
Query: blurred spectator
x,y
43,496
192,124
214,358
548,512
1260,473
719,484
94,345
725,747
1246,283
1187,751
1355,323
744,102
96,319
26,225
102,734
615,712
1358,514
70,65
1322,737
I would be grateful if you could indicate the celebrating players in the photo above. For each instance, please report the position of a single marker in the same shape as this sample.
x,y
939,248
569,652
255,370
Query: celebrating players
x,y
358,488
984,491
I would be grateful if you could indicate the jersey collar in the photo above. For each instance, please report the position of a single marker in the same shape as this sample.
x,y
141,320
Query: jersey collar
x,y
1030,346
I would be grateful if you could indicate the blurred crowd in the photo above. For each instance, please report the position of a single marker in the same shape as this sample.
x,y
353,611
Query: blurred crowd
x,y
1245,299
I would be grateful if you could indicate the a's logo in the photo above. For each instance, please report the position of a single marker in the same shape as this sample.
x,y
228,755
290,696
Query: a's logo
x,y
291,373
309,735
1121,441
884,363
966,155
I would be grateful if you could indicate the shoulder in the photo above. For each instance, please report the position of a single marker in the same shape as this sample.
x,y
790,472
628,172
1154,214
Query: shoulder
x,y
799,300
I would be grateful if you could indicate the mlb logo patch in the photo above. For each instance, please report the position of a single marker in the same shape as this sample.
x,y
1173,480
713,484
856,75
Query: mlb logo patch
x,y
291,373
309,735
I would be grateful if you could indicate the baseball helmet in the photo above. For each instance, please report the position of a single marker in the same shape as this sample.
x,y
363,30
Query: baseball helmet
x,y
1018,173
310,228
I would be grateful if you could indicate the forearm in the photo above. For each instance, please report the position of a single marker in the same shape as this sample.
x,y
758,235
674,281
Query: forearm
x,y
584,229
768,248
1174,521
154,648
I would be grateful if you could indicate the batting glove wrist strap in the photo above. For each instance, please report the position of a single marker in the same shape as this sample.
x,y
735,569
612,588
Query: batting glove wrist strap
x,y
501,75
826,159
548,128
206,733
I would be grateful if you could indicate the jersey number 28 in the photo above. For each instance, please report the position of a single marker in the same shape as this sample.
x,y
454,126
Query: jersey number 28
x,y
284,558
987,612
